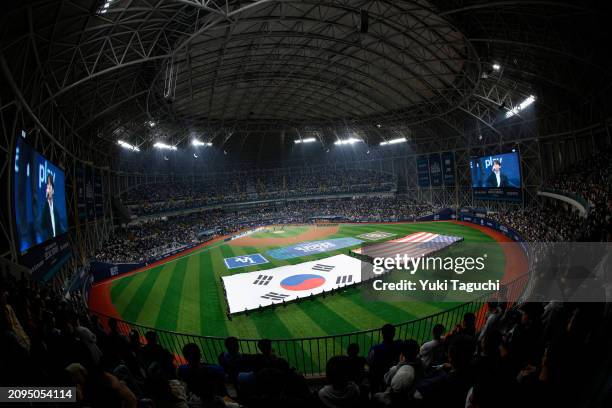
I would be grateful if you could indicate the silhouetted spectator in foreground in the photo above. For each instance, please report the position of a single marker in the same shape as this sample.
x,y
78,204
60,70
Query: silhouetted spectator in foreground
x,y
382,356
104,390
448,386
467,327
194,371
433,352
357,364
341,392
494,314
231,360
154,353
402,377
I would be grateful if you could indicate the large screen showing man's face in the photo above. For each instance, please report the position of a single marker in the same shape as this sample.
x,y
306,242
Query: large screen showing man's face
x,y
496,176
39,198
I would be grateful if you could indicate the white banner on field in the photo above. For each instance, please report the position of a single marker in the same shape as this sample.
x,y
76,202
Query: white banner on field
x,y
250,290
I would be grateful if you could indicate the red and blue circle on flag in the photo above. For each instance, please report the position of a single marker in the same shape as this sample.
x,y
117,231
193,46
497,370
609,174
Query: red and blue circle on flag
x,y
302,282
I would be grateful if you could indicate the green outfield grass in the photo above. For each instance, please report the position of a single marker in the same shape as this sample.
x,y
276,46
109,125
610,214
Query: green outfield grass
x,y
185,294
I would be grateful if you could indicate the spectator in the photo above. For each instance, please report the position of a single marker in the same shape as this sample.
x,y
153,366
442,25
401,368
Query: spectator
x,y
231,359
89,340
433,352
493,317
341,392
448,387
104,390
357,364
194,371
382,356
401,378
154,353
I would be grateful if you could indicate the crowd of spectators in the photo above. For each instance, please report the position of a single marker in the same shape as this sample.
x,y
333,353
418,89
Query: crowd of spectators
x,y
141,242
144,241
551,220
591,180
535,355
239,187
544,222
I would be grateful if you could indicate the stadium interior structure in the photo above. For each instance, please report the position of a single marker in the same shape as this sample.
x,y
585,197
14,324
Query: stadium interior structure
x,y
191,190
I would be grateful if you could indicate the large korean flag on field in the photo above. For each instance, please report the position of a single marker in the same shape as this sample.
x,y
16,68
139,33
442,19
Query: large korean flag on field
x,y
250,290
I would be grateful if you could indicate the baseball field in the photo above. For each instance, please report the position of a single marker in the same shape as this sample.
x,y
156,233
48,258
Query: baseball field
x,y
185,294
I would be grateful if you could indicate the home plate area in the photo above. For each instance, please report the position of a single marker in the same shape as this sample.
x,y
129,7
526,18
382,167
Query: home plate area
x,y
252,290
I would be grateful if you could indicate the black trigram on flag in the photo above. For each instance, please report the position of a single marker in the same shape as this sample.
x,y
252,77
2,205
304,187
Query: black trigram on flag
x,y
274,296
323,268
263,280
343,280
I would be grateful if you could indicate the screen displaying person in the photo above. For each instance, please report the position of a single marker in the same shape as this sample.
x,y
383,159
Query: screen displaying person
x,y
497,178
50,220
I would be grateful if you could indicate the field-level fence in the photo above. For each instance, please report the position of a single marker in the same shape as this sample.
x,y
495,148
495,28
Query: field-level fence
x,y
310,354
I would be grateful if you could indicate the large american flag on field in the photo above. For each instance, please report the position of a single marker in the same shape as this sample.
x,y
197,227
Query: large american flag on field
x,y
413,245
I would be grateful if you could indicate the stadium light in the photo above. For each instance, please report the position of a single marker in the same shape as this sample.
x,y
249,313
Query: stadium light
x,y
197,142
105,7
394,141
514,111
496,67
349,141
161,145
128,146
307,140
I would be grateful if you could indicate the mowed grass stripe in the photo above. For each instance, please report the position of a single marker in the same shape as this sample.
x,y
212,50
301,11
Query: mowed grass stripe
x,y
152,304
137,300
301,325
352,312
325,317
120,285
212,311
190,295
123,290
168,315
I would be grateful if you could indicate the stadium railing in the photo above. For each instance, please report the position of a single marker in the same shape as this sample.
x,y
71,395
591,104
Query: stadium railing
x,y
309,355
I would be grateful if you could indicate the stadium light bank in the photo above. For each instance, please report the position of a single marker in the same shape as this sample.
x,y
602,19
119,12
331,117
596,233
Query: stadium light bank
x,y
164,146
349,141
394,141
307,140
128,146
197,142
514,111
